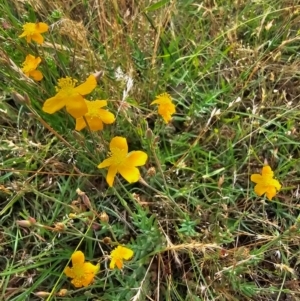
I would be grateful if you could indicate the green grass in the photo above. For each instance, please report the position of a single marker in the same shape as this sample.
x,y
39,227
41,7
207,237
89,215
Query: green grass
x,y
197,228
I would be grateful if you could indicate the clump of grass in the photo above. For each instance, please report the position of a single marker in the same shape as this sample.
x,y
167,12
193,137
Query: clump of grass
x,y
193,220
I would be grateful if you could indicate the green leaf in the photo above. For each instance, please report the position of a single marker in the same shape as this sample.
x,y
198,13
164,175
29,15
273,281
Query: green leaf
x,y
157,5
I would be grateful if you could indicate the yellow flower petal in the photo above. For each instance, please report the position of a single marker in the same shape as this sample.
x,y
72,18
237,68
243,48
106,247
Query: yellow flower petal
x,y
267,172
87,280
130,174
53,104
77,283
163,98
77,258
105,163
80,124
260,189
91,268
256,178
276,184
23,34
42,27
36,75
136,158
112,171
112,264
106,116
95,124
119,264
88,86
69,272
166,111
37,38
76,107
118,144
271,192
100,103
127,253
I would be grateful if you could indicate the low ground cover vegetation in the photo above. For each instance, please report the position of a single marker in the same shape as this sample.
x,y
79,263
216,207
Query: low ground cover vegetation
x,y
149,150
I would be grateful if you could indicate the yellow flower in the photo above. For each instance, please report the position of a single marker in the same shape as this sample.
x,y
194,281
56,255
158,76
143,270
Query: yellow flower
x,y
166,108
123,162
30,64
95,116
70,96
265,183
32,31
83,273
117,255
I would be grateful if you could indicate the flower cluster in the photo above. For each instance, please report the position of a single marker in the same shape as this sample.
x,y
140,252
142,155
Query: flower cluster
x,y
93,114
32,31
83,273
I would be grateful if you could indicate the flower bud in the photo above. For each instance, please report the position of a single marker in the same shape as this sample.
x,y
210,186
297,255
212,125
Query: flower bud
x,y
18,98
96,226
98,74
32,220
42,294
104,217
107,240
60,227
63,292
26,223
149,134
151,172
72,215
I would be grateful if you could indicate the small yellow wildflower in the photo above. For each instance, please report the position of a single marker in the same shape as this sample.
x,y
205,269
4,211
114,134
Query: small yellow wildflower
x,y
32,31
265,183
166,108
123,162
95,116
117,255
70,96
30,64
82,272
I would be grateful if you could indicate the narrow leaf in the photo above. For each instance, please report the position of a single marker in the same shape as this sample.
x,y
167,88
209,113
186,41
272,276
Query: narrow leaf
x,y
157,5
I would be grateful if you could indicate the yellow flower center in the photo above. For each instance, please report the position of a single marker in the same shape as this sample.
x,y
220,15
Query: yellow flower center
x,y
78,270
28,67
164,98
93,110
30,29
118,155
79,274
66,84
